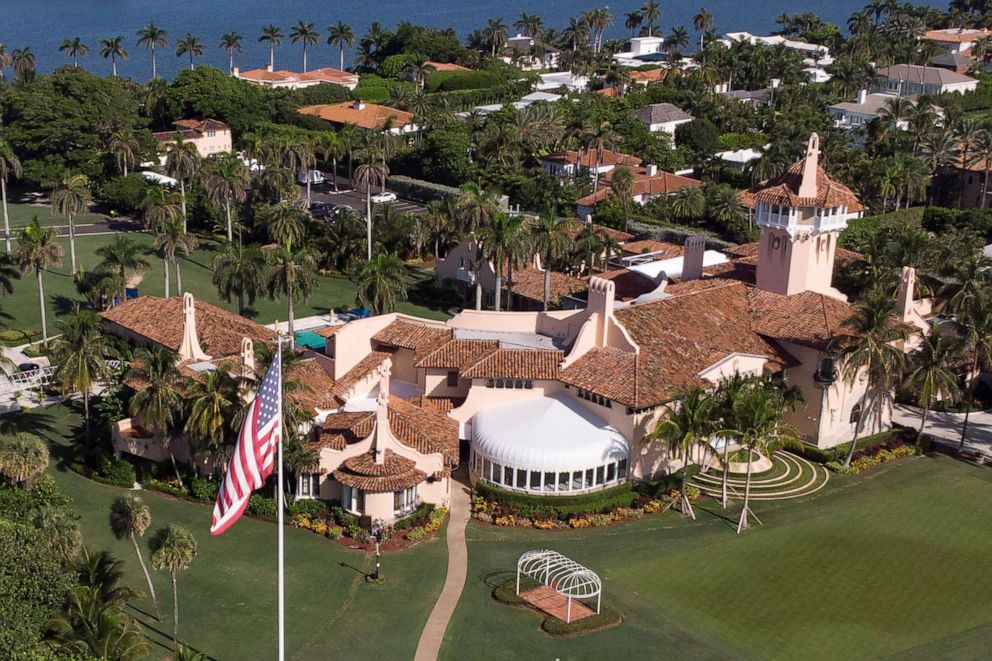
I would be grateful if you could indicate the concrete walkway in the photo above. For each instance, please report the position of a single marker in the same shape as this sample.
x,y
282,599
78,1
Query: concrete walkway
x,y
460,511
946,427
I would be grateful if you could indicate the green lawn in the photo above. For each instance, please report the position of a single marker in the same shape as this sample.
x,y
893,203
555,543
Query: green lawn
x,y
892,563
22,213
21,310
228,596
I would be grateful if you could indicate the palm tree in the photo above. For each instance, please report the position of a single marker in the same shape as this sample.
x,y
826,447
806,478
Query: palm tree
x,y
226,181
157,402
272,35
81,355
214,403
871,349
577,31
38,250
370,173
502,245
495,34
652,13
285,224
122,257
24,64
687,427
151,37
306,33
171,238
5,60
380,282
331,145
633,22
74,48
129,519
191,46
728,392
931,375
173,549
703,22
102,572
688,203
93,628
341,35
600,137
23,457
553,239
159,206
10,166
757,419
419,70
124,147
113,48
182,160
231,43
238,272
622,189
290,274
475,209
70,197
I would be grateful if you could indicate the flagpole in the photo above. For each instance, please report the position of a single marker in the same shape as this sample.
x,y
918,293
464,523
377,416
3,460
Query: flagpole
x,y
281,507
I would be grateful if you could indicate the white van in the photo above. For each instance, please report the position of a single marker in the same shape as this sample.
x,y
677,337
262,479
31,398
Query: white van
x,y
310,177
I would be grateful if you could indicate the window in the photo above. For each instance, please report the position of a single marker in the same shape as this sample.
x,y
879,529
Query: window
x,y
549,481
563,481
622,468
353,499
599,475
497,473
508,476
535,480
452,379
404,501
521,479
593,397
589,480
611,472
855,414
309,485
211,134
576,480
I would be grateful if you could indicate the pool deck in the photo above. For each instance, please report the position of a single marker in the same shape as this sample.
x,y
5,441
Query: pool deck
x,y
304,323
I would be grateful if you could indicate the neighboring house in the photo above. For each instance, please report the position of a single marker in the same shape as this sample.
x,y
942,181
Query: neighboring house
x,y
293,80
865,108
649,77
662,117
639,47
446,66
649,183
956,40
529,99
570,163
370,116
956,62
566,80
530,53
209,135
739,159
757,99
913,79
813,53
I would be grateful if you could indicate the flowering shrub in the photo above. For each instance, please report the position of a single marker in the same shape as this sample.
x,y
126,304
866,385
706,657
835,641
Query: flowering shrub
x,y
864,460
416,533
580,522
334,532
170,487
544,524
434,520
319,527
507,520
652,506
600,519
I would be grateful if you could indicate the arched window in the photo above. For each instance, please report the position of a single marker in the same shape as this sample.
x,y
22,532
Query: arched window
x,y
855,414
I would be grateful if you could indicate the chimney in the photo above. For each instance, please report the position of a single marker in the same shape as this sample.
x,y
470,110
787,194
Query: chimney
x,y
189,348
651,170
247,358
602,298
382,413
236,71
807,187
268,67
862,96
692,257
359,104
907,286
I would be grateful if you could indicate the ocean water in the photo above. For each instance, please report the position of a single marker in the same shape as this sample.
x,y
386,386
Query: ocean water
x,y
43,24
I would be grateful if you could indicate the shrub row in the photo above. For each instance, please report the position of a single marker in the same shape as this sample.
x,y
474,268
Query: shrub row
x,y
873,457
560,507
677,235
860,231
12,337
419,190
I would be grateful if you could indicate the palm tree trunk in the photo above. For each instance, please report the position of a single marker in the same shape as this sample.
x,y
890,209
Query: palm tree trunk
x,y
41,301
179,277
191,60
368,220
304,58
272,57
292,338
148,577
478,292
970,400
686,505
230,63
113,67
308,187
154,64
923,423
854,441
499,287
86,414
742,525
341,53
175,613
334,166
230,230
165,260
72,242
547,285
182,199
6,217
726,470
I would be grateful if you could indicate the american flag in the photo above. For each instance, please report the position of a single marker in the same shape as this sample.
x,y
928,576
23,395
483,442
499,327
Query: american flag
x,y
253,457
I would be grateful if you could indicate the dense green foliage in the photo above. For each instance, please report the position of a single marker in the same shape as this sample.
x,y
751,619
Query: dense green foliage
x,y
560,506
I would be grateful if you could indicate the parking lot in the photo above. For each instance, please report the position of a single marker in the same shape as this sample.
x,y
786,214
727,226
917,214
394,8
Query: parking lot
x,y
355,199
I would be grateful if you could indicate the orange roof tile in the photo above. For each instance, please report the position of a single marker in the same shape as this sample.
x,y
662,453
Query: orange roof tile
x,y
423,339
370,116
529,283
459,354
590,158
530,364
394,474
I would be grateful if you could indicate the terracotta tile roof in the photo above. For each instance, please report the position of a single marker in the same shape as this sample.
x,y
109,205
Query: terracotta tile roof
x,y
360,371
518,364
426,431
459,354
661,183
807,319
649,76
318,388
423,339
606,371
651,246
446,66
588,158
394,474
341,429
529,283
439,404
608,91
784,190
160,321
371,116
324,75
201,125
956,35
629,284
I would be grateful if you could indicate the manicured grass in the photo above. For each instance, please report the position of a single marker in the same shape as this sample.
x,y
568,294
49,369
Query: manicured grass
x,y
228,595
21,310
22,213
892,562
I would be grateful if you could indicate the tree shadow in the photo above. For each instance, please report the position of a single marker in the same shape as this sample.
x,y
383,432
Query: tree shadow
x,y
64,305
354,568
497,577
728,519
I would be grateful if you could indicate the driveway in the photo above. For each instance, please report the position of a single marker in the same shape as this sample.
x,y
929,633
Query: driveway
x,y
946,427
350,197
110,227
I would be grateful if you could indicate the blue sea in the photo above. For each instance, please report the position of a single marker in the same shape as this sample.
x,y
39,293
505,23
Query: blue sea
x,y
43,24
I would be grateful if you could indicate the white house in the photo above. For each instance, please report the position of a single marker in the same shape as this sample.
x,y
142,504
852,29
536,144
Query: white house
x,y
865,108
911,79
662,117
522,47
956,40
563,79
738,159
570,163
815,53
639,46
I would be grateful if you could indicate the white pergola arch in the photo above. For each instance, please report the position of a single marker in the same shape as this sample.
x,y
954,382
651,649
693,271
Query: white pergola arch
x,y
563,575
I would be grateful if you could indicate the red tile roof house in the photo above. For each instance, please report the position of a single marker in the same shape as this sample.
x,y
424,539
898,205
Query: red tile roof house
x,y
369,116
380,454
570,163
295,80
210,136
559,402
649,183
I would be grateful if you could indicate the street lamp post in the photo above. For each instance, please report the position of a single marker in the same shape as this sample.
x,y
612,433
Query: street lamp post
x,y
377,536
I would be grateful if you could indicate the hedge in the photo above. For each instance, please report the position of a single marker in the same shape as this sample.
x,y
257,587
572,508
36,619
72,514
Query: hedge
x,y
860,231
677,234
419,190
561,506
13,337
450,81
941,219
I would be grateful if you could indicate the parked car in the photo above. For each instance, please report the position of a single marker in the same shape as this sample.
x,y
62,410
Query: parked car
x,y
310,176
28,367
383,198
321,210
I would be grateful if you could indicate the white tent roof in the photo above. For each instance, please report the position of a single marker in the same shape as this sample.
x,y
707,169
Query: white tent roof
x,y
673,266
159,179
553,433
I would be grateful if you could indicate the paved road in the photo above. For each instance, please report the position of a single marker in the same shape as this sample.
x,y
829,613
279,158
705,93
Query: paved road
x,y
350,197
946,427
111,227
